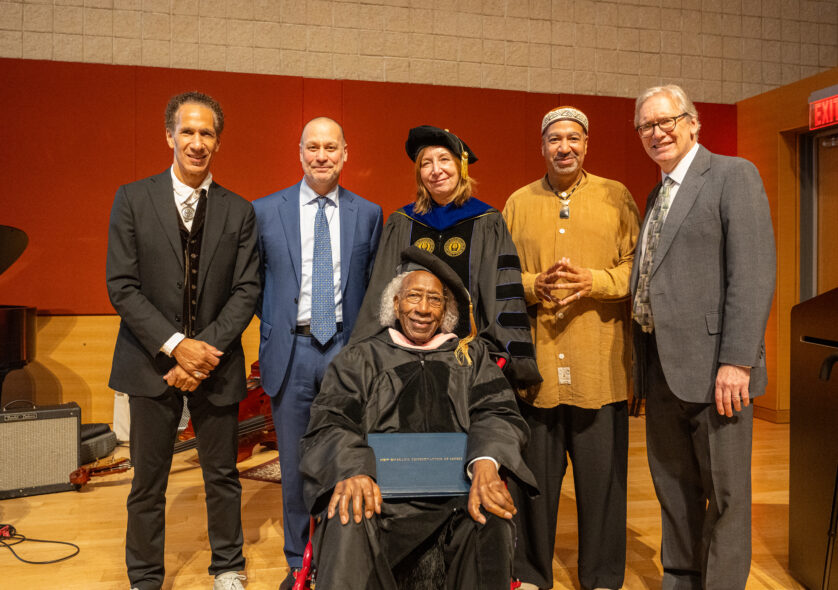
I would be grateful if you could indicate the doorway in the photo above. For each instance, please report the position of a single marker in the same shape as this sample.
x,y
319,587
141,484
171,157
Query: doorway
x,y
819,213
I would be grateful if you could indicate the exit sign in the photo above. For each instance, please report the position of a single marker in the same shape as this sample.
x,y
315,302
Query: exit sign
x,y
823,108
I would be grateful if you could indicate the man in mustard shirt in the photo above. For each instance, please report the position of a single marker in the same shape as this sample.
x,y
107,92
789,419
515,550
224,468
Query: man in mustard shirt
x,y
575,234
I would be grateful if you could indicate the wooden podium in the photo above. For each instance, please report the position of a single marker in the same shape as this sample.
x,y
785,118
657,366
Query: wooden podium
x,y
813,457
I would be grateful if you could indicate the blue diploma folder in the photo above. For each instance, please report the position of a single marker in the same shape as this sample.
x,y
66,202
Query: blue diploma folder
x,y
411,465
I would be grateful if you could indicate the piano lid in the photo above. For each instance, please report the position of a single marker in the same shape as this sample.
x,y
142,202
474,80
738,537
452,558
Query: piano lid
x,y
13,242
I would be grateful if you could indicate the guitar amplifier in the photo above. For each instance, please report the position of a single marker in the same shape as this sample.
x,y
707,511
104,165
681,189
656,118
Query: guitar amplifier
x,y
39,448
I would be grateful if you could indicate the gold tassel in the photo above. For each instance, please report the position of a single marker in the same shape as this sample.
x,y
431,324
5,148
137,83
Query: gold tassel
x,y
464,166
462,347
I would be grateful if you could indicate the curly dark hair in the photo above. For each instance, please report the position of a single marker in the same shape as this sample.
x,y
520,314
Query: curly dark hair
x,y
197,98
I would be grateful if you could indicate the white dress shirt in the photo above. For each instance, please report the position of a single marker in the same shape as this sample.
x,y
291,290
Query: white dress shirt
x,y
308,213
677,175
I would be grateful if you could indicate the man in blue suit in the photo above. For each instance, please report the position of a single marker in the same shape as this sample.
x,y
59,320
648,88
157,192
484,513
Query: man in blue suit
x,y
317,244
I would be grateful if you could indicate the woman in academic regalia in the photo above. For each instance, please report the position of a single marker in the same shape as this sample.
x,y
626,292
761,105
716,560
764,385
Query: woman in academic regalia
x,y
447,220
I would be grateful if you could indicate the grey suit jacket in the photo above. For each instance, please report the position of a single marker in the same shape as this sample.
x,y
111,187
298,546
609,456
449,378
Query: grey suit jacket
x,y
145,278
712,279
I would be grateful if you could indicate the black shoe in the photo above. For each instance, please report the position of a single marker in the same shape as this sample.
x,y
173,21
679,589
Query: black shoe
x,y
288,582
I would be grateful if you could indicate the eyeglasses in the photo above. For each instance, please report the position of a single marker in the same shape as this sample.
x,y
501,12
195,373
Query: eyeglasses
x,y
414,298
666,125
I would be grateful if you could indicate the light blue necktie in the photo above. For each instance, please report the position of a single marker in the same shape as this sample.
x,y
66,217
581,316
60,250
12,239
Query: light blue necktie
x,y
322,279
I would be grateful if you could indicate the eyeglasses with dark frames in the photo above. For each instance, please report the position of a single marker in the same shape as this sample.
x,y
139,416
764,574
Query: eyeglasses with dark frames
x,y
434,300
666,125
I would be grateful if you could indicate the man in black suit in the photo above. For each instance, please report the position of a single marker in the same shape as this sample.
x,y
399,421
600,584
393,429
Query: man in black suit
x,y
702,285
183,274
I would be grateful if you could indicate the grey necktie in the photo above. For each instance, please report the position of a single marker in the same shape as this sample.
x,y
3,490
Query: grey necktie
x,y
642,310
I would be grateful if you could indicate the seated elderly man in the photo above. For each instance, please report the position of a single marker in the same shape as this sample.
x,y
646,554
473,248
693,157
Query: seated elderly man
x,y
413,376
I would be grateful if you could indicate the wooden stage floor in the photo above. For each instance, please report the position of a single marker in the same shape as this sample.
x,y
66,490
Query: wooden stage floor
x,y
94,519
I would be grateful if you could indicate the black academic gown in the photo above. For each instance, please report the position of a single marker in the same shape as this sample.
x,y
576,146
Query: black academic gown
x,y
379,386
473,239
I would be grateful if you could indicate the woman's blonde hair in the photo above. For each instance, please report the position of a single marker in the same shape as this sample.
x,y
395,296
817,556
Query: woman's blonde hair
x,y
462,193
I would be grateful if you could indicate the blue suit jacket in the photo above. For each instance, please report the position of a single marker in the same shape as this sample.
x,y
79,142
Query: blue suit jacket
x,y
278,220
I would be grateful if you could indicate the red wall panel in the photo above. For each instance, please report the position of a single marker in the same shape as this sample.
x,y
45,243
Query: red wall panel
x,y
72,133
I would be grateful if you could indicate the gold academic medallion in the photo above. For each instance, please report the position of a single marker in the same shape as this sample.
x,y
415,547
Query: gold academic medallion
x,y
455,246
426,244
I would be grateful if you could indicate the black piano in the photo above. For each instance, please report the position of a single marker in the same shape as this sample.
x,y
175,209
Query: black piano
x,y
17,322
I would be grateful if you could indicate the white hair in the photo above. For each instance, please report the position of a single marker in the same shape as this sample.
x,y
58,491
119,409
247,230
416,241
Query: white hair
x,y
676,94
387,312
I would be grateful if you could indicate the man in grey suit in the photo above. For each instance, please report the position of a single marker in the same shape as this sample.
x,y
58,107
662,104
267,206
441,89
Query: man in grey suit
x,y
183,274
702,285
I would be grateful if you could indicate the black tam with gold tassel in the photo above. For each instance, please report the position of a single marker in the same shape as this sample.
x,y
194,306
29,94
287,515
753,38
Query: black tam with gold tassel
x,y
424,136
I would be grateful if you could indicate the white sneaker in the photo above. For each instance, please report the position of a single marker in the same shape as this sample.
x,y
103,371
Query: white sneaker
x,y
228,581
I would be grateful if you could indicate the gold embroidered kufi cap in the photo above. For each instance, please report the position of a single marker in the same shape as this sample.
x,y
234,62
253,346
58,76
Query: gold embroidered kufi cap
x,y
564,113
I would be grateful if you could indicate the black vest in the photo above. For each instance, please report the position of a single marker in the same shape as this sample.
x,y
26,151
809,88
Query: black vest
x,y
190,242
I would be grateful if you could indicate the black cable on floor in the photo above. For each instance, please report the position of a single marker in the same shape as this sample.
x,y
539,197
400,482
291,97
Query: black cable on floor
x,y
9,537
